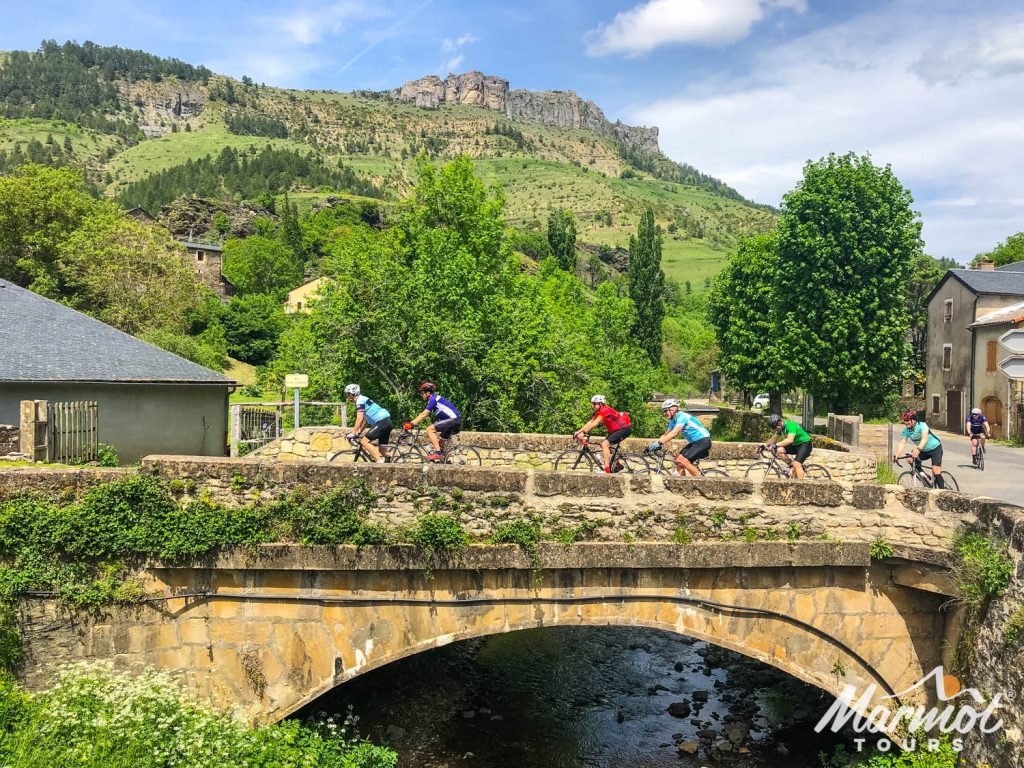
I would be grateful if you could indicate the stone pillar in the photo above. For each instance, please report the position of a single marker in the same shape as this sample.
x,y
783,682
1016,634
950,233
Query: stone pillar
x,y
35,430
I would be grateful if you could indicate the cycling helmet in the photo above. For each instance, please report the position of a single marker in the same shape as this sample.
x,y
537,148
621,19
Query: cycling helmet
x,y
773,420
427,386
669,404
598,399
976,411
908,416
352,389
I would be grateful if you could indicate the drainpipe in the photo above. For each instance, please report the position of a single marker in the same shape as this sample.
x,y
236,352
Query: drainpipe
x,y
974,344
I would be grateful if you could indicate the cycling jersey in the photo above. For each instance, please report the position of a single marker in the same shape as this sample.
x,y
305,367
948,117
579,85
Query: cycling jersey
x,y
914,435
612,419
977,424
442,408
692,430
372,412
792,428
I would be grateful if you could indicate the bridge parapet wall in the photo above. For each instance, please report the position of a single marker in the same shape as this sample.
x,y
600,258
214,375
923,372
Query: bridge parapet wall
x,y
604,507
538,451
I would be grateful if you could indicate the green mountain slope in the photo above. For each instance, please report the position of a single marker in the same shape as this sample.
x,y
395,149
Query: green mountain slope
x,y
137,115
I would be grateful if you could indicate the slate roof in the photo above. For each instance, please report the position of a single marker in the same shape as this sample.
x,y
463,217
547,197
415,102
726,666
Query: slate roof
x,y
990,281
1016,266
41,340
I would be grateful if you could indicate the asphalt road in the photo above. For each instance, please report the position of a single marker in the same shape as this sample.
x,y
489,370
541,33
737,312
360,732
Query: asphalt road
x,y
1003,477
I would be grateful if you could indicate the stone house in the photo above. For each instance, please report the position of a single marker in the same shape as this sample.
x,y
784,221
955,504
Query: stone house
x,y
208,260
150,401
968,311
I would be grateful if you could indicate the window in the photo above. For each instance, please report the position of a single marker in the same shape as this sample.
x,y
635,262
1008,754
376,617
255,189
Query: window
x,y
990,358
935,403
948,316
199,255
947,357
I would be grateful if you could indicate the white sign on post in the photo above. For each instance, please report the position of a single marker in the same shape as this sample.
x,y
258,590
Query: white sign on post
x,y
296,381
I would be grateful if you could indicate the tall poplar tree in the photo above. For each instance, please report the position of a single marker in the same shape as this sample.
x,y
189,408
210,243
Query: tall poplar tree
x,y
562,239
646,284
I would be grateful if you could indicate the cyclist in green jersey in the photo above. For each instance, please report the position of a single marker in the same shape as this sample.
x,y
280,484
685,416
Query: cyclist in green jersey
x,y
790,438
926,444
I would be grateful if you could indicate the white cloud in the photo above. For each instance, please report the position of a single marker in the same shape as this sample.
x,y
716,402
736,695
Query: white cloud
x,y
452,49
856,86
662,22
997,54
308,27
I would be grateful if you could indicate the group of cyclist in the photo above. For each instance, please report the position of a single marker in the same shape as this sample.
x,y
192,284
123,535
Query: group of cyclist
x,y
928,447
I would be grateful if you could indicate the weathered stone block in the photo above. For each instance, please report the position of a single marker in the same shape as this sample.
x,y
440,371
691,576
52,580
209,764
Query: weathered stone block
x,y
802,493
715,488
578,484
869,496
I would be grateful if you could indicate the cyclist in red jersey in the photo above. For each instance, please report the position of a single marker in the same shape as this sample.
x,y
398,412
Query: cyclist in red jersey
x,y
617,424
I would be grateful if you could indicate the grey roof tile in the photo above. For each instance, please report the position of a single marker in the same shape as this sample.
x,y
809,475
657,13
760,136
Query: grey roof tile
x,y
991,280
41,340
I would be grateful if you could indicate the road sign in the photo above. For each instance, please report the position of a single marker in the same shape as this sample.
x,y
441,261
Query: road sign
x,y
296,381
1013,342
1013,367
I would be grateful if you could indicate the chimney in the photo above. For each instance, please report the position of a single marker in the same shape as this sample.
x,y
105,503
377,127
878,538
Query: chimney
x,y
987,265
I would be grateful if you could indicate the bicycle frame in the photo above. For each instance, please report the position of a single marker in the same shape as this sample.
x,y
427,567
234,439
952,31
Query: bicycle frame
x,y
593,454
917,467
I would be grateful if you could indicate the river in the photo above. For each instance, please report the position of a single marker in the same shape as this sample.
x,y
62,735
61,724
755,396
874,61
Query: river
x,y
569,697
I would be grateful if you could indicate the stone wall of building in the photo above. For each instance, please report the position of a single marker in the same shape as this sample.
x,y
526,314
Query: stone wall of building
x,y
606,507
9,439
536,451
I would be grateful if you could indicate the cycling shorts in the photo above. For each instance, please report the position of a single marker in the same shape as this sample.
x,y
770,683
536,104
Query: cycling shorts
x,y
799,452
448,427
934,456
618,435
697,450
380,431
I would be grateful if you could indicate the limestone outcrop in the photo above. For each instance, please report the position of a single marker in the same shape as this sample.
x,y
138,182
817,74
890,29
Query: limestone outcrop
x,y
559,109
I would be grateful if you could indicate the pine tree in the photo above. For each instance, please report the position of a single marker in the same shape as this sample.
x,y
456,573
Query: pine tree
x,y
291,232
562,239
646,283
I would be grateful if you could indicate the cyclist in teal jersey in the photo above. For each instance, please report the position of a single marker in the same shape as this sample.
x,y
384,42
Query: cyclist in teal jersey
x,y
927,446
698,439
372,416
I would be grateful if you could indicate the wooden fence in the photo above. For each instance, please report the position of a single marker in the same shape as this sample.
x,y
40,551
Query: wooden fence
x,y
73,432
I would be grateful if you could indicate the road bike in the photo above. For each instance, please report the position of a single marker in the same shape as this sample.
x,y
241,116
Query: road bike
x,y
979,454
588,458
779,468
918,477
661,462
411,447
356,452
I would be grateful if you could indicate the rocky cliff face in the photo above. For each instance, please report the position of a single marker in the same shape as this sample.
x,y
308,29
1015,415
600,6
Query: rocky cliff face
x,y
560,109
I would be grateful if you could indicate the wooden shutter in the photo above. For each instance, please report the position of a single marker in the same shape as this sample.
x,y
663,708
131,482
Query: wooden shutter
x,y
990,361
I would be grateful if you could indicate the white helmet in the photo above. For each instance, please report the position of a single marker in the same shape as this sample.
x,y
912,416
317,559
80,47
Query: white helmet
x,y
976,411
352,389
669,404
598,399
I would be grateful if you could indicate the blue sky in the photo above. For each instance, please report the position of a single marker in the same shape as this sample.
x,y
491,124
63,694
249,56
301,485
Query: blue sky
x,y
746,90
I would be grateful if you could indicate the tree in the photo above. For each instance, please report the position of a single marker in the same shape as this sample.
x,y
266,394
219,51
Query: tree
x,y
252,326
646,285
291,232
925,273
847,237
562,238
1007,252
742,307
261,264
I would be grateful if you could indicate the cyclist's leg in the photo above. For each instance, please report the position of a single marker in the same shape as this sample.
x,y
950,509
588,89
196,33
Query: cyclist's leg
x,y
380,431
800,454
936,458
443,431
693,453
613,439
433,437
974,447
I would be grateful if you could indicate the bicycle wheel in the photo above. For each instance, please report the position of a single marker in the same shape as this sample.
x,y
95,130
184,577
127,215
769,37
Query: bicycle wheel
x,y
950,482
463,456
574,459
910,479
762,469
714,473
981,459
816,472
634,464
405,454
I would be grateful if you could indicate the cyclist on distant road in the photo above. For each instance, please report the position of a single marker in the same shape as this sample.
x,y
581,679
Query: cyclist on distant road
x,y
447,419
617,423
372,415
796,443
976,427
927,446
698,444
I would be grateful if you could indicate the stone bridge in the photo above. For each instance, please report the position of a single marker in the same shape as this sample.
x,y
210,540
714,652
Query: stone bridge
x,y
780,571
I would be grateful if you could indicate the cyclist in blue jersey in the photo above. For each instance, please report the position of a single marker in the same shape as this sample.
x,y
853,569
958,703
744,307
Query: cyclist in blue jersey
x,y
698,444
447,419
926,444
372,415
976,427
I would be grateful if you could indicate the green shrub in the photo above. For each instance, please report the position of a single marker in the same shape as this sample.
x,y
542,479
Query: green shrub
x,y
106,456
982,569
337,518
880,549
96,718
440,536
572,534
1013,632
682,535
525,533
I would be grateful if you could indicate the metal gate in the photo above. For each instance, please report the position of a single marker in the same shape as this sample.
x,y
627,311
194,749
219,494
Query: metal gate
x,y
258,425
73,432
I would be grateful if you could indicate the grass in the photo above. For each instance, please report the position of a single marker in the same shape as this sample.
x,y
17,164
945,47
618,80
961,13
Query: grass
x,y
241,372
88,145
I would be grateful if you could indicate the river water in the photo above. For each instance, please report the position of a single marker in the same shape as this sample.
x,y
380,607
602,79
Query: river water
x,y
569,697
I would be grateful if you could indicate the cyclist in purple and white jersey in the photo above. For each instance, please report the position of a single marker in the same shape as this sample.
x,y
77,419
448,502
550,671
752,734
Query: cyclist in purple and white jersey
x,y
447,419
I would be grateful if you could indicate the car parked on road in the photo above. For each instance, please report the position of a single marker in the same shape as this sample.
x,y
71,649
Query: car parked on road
x,y
760,401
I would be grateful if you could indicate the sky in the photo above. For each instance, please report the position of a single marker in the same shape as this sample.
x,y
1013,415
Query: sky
x,y
745,90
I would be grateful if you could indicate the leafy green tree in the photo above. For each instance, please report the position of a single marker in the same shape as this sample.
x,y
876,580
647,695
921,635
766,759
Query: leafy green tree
x,y
925,273
261,264
208,349
291,232
1007,252
221,223
742,308
562,238
646,285
847,237
252,326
